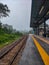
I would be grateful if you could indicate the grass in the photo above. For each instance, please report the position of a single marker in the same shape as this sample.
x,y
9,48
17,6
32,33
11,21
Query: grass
x,y
6,39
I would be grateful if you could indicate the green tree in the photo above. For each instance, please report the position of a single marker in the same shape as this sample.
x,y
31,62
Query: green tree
x,y
4,10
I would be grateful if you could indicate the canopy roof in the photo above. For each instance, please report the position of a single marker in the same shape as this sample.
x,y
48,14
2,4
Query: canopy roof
x,y
39,12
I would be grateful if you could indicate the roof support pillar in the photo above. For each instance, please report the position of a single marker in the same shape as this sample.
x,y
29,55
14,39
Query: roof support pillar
x,y
35,31
38,30
44,29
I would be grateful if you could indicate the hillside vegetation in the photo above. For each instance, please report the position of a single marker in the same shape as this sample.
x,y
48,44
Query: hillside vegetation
x,y
7,33
7,37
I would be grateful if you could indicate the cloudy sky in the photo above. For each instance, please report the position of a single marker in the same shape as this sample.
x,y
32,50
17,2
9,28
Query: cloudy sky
x,y
19,16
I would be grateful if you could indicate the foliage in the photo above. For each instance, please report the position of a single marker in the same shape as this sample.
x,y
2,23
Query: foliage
x,y
6,39
4,10
6,35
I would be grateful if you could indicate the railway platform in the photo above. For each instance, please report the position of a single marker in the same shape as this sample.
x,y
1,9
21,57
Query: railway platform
x,y
36,51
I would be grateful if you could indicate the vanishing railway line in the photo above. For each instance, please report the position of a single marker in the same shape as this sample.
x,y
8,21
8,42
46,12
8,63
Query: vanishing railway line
x,y
9,53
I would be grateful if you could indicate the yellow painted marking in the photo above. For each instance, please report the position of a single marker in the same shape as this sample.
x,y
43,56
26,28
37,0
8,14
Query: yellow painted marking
x,y
44,40
44,55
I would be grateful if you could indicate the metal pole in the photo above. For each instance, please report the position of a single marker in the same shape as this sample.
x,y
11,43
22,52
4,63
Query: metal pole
x,y
38,30
44,28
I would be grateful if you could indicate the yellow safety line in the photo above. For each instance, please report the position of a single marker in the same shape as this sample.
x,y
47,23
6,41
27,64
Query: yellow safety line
x,y
44,55
44,40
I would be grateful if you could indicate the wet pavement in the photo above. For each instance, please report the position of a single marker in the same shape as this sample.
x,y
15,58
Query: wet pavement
x,y
30,55
44,45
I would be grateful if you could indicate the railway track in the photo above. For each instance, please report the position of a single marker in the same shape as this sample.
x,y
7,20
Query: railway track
x,y
8,54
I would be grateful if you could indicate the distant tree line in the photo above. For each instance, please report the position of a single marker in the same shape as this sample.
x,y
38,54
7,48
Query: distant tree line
x,y
5,28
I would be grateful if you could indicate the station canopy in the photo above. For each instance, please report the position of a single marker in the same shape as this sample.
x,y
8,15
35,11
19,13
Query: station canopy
x,y
39,12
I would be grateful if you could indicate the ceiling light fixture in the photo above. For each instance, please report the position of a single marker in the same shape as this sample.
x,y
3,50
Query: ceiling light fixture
x,y
41,10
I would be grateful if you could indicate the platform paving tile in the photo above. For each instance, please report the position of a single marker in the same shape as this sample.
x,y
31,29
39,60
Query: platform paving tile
x,y
44,45
30,56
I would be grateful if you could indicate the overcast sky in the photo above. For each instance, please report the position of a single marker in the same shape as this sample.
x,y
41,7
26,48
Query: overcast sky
x,y
19,16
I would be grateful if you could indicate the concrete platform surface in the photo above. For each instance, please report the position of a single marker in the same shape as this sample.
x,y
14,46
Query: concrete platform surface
x,y
30,56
